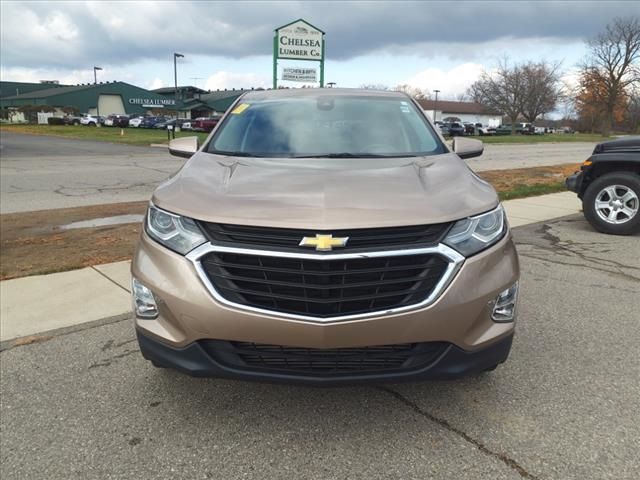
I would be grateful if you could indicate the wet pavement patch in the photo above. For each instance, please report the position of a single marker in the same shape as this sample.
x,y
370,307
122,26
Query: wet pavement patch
x,y
103,222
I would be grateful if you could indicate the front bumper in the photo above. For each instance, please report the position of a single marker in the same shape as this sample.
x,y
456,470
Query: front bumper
x,y
199,360
460,317
574,182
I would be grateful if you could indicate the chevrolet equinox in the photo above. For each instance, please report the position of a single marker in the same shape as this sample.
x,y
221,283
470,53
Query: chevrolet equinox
x,y
325,236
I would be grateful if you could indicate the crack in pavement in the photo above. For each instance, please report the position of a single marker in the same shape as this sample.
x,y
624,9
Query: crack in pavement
x,y
108,361
504,458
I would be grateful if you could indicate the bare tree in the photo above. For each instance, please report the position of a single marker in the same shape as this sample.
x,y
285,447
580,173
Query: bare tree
x,y
412,91
374,86
502,90
462,97
541,89
614,63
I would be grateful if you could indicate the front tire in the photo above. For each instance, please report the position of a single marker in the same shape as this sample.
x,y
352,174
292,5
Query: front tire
x,y
611,203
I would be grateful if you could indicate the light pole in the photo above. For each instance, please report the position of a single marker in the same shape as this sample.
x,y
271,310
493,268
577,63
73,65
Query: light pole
x,y
175,73
95,75
95,82
435,105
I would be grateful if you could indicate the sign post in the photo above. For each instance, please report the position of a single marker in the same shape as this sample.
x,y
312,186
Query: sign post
x,y
298,40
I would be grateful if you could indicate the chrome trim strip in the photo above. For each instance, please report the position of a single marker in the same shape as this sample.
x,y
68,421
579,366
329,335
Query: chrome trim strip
x,y
455,262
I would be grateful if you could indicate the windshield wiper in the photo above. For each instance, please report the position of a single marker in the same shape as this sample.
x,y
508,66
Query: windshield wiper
x,y
344,155
236,154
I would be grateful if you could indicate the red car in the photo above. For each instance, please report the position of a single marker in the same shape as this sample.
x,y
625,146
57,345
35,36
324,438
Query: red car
x,y
205,124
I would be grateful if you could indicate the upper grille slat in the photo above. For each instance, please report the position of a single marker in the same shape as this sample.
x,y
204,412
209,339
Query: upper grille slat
x,y
289,239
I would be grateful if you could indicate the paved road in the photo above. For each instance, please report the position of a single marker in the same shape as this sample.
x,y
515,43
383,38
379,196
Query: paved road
x,y
85,405
40,172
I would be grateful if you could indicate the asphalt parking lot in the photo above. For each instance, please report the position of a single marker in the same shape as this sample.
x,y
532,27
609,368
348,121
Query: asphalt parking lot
x,y
39,172
565,406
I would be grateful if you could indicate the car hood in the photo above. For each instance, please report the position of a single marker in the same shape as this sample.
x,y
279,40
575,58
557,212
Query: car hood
x,y
325,193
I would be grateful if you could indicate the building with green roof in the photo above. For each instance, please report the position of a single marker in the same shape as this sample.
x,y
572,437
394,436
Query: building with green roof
x,y
97,99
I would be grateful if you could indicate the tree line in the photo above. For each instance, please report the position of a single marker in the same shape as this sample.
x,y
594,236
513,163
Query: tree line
x,y
605,97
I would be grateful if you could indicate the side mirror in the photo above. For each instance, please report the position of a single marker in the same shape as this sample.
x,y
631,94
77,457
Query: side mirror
x,y
467,147
183,147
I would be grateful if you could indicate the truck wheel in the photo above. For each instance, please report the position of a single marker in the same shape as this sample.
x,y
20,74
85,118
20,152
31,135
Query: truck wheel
x,y
611,203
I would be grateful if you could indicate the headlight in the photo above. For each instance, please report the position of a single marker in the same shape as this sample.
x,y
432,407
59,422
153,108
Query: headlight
x,y
180,234
473,234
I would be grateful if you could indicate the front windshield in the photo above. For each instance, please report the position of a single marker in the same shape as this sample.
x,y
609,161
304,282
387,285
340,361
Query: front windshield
x,y
326,126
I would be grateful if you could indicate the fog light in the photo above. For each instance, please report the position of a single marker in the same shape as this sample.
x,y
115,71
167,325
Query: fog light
x,y
504,308
144,303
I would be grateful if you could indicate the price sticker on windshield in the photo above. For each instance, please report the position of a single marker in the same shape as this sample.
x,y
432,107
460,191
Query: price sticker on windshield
x,y
240,108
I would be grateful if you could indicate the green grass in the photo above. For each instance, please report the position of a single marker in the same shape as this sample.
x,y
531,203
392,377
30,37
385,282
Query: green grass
x,y
132,136
522,191
548,138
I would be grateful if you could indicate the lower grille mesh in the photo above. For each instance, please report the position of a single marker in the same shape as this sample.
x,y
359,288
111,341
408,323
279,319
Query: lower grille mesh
x,y
324,362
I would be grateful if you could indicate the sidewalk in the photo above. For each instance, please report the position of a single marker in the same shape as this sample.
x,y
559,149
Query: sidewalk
x,y
37,304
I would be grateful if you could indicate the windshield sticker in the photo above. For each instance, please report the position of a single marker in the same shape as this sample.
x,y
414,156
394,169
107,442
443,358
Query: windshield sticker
x,y
405,108
240,108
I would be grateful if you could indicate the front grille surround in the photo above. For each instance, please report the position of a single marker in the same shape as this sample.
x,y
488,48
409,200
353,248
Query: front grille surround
x,y
453,258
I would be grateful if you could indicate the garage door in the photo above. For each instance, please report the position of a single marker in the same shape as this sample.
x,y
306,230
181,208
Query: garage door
x,y
109,104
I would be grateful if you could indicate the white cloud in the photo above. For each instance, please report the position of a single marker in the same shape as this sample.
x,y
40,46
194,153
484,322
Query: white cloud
x,y
450,82
224,79
155,83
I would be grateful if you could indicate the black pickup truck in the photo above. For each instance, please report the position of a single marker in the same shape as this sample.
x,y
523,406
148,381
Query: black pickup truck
x,y
608,184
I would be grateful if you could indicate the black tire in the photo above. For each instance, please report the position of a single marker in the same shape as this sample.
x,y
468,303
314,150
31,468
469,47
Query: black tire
x,y
92,124
628,180
75,123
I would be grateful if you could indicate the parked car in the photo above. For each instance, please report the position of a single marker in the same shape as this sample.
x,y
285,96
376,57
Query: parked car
x,y
172,123
116,121
71,120
455,129
444,129
482,130
314,255
91,120
469,128
205,124
136,121
187,125
609,186
540,130
506,129
150,122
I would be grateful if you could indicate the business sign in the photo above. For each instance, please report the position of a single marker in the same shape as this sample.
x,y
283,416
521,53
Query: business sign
x,y
152,102
300,74
298,40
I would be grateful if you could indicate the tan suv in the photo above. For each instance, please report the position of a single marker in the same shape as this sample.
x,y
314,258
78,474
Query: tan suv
x,y
325,236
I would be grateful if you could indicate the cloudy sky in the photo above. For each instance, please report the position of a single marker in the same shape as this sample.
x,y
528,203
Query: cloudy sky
x,y
430,45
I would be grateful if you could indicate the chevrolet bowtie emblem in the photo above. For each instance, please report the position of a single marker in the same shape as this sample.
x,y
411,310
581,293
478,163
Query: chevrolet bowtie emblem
x,y
324,243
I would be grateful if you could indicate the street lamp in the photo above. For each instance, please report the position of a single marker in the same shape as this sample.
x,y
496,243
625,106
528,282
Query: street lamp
x,y
331,84
435,105
95,75
95,82
175,72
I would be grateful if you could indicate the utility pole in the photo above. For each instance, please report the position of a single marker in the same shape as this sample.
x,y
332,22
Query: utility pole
x,y
435,105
